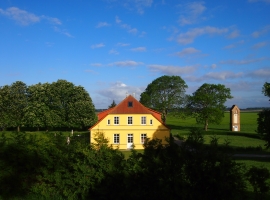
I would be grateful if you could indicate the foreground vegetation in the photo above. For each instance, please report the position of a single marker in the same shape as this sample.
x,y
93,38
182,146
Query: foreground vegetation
x,y
44,166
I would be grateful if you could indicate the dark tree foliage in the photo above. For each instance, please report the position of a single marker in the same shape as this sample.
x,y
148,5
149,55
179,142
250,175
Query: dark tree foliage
x,y
166,93
266,89
263,128
263,119
13,101
258,179
47,167
207,103
112,105
60,104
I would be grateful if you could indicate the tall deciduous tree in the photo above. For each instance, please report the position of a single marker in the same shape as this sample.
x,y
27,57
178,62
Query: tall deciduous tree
x,y
207,103
4,106
72,104
264,118
13,103
165,93
38,113
266,89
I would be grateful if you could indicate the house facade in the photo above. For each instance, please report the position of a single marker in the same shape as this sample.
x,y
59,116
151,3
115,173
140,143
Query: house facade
x,y
128,124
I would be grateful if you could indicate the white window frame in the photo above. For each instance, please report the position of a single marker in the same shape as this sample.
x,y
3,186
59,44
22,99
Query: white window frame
x,y
151,121
116,119
143,137
116,138
143,120
130,119
108,122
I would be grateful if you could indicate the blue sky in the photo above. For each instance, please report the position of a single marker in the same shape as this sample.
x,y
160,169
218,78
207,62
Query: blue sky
x,y
114,47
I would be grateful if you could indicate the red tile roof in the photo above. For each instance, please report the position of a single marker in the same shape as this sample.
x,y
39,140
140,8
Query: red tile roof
x,y
123,108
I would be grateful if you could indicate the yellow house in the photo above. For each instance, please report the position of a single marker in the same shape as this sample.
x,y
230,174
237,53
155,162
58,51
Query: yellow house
x,y
130,123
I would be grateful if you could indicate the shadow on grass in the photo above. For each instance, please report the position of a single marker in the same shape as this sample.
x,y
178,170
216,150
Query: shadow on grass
x,y
259,159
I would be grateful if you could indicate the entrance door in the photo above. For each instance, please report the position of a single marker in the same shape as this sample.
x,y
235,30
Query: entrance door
x,y
129,140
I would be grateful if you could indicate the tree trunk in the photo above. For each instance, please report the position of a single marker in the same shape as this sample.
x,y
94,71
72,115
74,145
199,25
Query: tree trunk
x,y
18,128
37,128
164,116
206,125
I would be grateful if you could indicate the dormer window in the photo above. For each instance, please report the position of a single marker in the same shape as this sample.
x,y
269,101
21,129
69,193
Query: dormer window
x,y
130,104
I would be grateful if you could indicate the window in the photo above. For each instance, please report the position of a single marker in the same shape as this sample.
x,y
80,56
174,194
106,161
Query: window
x,y
129,120
143,138
151,121
116,138
130,104
109,122
143,120
116,120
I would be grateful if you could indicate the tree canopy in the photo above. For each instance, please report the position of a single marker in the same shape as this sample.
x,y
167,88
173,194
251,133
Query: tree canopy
x,y
264,118
59,104
266,89
207,103
166,93
13,102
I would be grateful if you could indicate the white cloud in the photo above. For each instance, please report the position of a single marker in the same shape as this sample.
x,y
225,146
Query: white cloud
x,y
102,24
222,75
118,91
187,51
259,45
171,70
90,71
189,36
20,16
213,66
219,76
122,44
25,18
62,31
260,73
263,31
132,30
139,49
242,62
94,46
234,34
127,63
230,46
192,12
125,26
96,64
113,51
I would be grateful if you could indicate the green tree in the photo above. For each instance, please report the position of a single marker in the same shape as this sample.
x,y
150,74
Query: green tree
x,y
207,103
72,104
263,127
263,120
266,89
4,106
258,179
13,102
38,113
166,93
112,105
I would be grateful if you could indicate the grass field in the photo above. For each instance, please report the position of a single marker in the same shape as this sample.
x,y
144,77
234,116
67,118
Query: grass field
x,y
180,126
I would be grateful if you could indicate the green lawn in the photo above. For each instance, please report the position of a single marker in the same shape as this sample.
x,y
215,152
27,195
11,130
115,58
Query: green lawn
x,y
180,126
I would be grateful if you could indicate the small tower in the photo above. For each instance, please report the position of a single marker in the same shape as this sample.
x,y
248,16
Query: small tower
x,y
234,118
